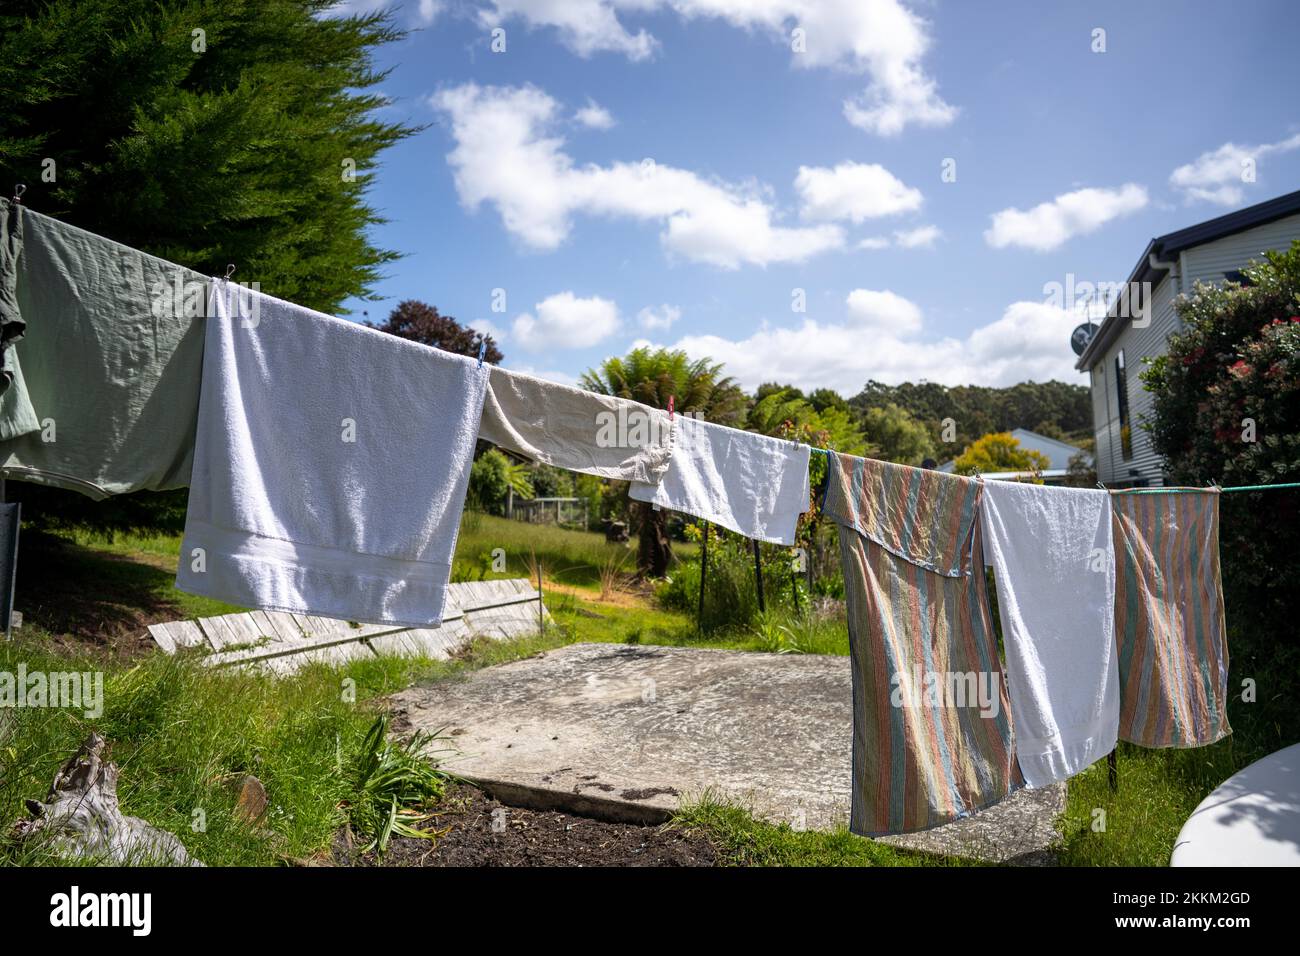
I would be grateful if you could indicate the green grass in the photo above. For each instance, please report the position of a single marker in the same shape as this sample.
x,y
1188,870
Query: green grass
x,y
744,841
176,728
1157,791
569,556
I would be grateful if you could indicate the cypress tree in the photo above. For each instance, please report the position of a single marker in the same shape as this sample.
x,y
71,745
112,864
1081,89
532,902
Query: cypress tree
x,y
204,132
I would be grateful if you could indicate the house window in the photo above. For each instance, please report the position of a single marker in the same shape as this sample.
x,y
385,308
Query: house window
x,y
1121,402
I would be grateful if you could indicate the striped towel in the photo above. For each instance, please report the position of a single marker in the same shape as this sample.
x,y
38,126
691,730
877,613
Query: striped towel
x,y
1173,655
931,716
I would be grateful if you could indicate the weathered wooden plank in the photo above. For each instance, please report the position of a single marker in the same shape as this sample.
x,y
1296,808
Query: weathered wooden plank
x,y
185,633
284,627
217,632
281,642
164,640
435,643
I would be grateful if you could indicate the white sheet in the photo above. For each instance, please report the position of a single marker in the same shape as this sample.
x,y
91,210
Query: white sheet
x,y
1052,552
751,484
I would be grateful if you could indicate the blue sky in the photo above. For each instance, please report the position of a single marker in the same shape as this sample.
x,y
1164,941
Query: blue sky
x,y
689,172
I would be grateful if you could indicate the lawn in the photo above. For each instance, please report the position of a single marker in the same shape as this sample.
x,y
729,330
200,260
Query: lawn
x,y
178,730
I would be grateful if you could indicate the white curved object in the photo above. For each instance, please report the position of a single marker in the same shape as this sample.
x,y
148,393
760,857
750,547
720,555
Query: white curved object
x,y
1252,819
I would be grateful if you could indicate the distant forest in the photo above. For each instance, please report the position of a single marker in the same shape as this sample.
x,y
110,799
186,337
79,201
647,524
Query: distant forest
x,y
1052,408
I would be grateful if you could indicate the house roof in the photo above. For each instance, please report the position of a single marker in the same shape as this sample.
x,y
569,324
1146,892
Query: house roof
x,y
1030,439
1155,259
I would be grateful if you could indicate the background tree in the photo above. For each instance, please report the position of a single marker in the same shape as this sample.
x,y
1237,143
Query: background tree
x,y
493,477
999,451
1082,469
419,322
650,376
786,414
1227,409
233,144
976,410
897,436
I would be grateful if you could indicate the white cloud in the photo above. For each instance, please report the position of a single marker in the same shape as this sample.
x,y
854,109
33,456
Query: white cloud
x,y
922,237
1049,225
881,39
422,13
507,154
1218,176
1029,342
594,116
551,375
661,317
566,321
884,310
854,192
585,26
487,327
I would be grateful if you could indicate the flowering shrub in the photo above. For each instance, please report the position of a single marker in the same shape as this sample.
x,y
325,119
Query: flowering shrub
x,y
1227,410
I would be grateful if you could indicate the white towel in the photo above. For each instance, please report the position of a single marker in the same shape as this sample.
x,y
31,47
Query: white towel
x,y
575,429
330,465
1052,552
749,483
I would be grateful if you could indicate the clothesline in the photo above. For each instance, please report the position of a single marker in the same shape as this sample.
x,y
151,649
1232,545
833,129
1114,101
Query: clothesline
x,y
1170,491
314,491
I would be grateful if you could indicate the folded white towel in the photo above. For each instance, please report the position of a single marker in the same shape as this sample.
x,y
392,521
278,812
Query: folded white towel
x,y
749,483
1052,552
330,465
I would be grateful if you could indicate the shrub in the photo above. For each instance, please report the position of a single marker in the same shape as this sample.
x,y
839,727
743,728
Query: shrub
x,y
1227,409
731,591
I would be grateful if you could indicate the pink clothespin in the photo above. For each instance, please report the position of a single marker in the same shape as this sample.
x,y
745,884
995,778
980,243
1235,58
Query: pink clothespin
x,y
670,407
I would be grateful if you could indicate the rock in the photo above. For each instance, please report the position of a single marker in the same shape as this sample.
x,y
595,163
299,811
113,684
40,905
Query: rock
x,y
251,801
80,817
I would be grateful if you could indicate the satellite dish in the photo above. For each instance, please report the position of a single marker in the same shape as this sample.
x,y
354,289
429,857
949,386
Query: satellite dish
x,y
1082,336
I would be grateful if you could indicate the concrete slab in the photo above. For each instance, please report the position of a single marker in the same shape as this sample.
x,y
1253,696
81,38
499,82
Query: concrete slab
x,y
628,732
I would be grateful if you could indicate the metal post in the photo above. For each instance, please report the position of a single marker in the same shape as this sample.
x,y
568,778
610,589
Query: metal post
x,y
11,519
1112,770
758,576
704,573
541,606
794,588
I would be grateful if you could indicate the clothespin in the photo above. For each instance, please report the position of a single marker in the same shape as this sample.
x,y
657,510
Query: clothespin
x,y
670,407
230,271
19,189
482,350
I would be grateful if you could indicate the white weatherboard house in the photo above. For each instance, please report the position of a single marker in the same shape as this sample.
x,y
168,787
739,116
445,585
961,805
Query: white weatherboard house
x,y
1058,455
1211,251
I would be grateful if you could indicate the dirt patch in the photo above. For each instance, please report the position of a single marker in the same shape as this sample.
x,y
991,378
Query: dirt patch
x,y
629,594
92,601
481,831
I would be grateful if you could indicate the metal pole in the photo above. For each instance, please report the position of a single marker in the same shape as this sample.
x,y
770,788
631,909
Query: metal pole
x,y
758,576
1112,770
704,572
541,607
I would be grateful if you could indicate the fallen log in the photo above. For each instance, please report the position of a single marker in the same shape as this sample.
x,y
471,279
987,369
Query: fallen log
x,y
80,818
